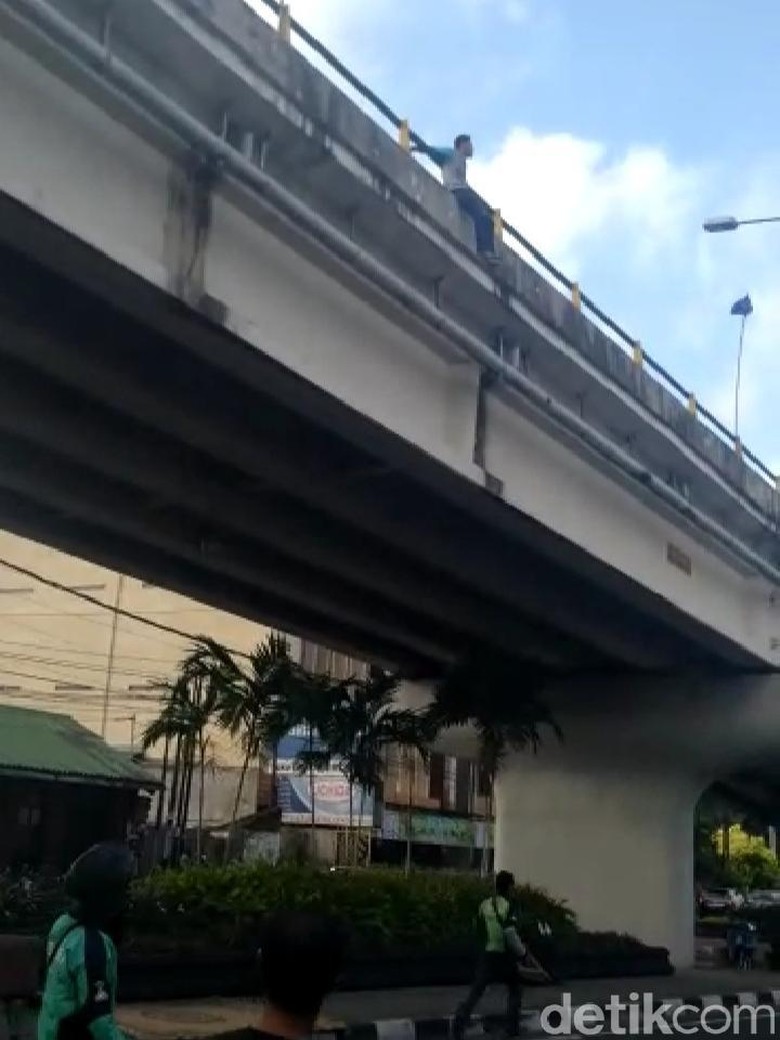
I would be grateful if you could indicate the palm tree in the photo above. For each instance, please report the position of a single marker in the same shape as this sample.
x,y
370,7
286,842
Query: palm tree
x,y
364,722
187,709
502,700
313,701
254,701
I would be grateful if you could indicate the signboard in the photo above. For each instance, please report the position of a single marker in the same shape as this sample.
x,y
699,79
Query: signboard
x,y
433,829
331,800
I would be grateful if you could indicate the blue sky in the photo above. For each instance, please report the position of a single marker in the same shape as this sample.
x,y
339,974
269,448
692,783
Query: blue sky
x,y
607,131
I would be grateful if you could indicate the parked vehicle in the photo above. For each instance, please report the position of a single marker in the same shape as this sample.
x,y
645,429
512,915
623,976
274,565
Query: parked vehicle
x,y
719,900
762,899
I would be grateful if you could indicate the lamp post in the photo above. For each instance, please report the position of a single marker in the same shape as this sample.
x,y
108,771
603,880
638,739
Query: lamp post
x,y
743,308
715,225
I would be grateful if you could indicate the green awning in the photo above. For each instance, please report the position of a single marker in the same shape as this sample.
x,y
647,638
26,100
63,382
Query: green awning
x,y
45,746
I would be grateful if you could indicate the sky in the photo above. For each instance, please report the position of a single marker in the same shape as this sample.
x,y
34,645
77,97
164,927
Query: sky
x,y
607,131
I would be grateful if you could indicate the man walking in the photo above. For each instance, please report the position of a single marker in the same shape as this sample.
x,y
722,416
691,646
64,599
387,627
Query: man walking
x,y
453,174
500,950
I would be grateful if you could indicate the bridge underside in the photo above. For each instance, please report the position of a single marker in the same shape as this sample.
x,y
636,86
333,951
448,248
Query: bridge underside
x,y
140,434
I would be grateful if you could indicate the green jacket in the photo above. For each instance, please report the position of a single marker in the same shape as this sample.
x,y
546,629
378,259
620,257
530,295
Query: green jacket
x,y
495,916
79,994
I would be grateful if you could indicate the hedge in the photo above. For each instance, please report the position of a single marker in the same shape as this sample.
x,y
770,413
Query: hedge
x,y
222,906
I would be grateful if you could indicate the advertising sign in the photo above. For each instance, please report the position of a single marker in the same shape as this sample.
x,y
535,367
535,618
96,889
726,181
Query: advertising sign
x,y
331,801
432,829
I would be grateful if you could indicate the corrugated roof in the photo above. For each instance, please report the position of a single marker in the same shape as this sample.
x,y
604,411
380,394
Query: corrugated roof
x,y
44,745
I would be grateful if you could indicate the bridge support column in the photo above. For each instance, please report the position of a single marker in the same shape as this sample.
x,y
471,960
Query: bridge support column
x,y
605,819
616,845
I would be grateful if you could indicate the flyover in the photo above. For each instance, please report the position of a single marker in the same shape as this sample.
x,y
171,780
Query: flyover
x,y
248,352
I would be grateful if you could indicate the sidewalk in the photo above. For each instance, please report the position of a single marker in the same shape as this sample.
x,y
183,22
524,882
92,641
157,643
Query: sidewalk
x,y
170,1021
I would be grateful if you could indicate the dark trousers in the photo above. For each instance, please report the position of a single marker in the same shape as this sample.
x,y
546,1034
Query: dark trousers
x,y
480,213
493,969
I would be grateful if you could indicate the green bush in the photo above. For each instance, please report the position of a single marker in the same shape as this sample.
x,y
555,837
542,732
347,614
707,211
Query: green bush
x,y
222,907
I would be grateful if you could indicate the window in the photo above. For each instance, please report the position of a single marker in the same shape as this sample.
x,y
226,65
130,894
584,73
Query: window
x,y
10,689
11,591
436,778
87,588
29,816
72,687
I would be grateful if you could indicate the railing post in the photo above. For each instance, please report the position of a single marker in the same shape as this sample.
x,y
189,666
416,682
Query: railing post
x,y
693,406
639,355
738,447
576,296
404,138
285,22
498,226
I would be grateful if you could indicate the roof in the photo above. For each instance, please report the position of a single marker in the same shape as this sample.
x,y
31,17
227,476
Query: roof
x,y
42,745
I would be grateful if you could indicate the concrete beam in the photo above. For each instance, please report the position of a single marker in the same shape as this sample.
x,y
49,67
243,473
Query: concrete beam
x,y
527,586
168,473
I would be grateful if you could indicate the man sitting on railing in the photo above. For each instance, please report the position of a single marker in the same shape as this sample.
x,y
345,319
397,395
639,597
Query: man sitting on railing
x,y
453,173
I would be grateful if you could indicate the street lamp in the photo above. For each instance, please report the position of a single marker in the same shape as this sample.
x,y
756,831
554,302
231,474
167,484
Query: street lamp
x,y
717,224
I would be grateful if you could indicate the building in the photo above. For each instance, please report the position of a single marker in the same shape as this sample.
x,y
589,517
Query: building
x,y
62,789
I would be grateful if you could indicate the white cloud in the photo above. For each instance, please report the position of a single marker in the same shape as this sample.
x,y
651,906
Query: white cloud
x,y
563,190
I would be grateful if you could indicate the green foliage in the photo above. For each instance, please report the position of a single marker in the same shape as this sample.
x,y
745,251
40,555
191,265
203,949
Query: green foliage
x,y
501,699
223,906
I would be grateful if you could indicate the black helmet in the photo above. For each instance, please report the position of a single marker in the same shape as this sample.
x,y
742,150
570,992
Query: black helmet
x,y
99,879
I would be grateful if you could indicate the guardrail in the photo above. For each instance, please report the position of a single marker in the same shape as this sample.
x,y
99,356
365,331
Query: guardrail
x,y
288,27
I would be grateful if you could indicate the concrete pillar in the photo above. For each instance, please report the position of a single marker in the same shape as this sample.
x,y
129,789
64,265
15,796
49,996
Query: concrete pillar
x,y
605,819
616,845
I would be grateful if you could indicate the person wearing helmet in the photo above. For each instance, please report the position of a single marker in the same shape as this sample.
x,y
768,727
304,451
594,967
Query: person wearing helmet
x,y
79,993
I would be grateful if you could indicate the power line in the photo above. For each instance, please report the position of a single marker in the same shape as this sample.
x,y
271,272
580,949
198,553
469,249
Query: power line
x,y
66,649
78,665
120,611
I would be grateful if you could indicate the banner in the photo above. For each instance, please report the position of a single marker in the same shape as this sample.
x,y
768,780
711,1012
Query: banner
x,y
331,801
432,829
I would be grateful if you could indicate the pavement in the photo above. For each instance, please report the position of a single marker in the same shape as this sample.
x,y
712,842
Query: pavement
x,y
410,1014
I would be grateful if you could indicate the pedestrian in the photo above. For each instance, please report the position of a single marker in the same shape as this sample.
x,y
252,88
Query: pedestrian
x,y
301,957
500,950
79,995
453,163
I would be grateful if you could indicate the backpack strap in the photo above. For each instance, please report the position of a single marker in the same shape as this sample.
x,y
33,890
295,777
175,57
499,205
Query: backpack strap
x,y
56,948
98,1001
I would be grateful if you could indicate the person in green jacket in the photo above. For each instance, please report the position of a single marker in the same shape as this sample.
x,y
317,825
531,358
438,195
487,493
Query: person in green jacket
x,y
79,995
500,950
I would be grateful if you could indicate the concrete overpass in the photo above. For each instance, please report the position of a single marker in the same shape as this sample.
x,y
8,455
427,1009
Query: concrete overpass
x,y
248,352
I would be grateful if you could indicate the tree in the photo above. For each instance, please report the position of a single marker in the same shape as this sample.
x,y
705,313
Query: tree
x,y
363,722
313,701
256,702
187,710
501,699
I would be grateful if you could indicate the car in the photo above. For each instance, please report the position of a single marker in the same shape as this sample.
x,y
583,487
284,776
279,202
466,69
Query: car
x,y
719,900
761,899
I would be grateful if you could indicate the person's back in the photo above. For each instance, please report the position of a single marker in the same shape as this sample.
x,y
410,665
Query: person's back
x,y
81,982
79,994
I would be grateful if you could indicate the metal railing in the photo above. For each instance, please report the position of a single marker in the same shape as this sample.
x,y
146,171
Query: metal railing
x,y
289,27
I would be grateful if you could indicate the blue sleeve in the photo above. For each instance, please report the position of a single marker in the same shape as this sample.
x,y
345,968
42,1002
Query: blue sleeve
x,y
440,155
